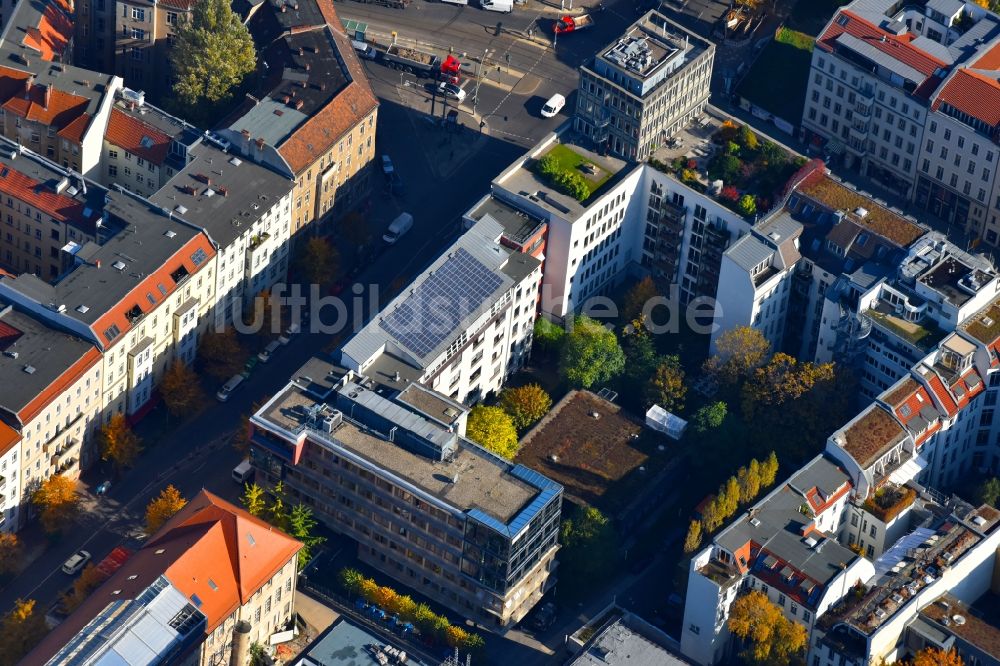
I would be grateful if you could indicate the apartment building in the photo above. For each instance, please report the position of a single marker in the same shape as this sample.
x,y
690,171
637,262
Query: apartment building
x,y
143,34
315,122
244,208
49,404
906,93
390,469
94,40
44,208
641,90
144,147
141,297
462,326
213,581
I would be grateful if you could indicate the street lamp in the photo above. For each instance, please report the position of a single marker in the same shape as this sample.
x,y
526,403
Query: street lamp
x,y
479,79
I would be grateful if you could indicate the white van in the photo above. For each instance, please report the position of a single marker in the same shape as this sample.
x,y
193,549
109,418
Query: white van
x,y
243,473
399,226
502,6
553,106
229,387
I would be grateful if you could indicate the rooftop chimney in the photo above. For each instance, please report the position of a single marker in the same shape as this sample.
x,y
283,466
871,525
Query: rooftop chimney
x,y
48,95
28,83
241,644
260,144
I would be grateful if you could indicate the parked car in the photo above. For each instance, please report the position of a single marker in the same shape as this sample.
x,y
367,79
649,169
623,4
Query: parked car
x,y
387,167
231,385
289,333
399,226
76,562
451,91
553,106
269,350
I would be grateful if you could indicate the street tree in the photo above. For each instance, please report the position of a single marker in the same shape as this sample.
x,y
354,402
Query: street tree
x,y
666,387
693,538
119,443
710,417
738,352
493,429
356,229
21,630
525,404
57,502
211,55
278,512
635,300
318,261
220,355
11,552
771,638
591,354
302,526
181,391
89,580
254,499
162,508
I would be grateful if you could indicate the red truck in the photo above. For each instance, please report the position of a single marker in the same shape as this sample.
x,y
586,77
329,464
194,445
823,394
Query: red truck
x,y
572,23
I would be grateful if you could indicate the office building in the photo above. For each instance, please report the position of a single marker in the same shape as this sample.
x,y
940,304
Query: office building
x,y
390,469
461,327
213,581
641,90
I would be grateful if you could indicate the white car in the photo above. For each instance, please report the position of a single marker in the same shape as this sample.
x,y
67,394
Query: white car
x,y
451,90
76,562
553,106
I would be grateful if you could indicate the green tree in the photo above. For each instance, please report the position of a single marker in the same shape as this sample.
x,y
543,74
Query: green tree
x,y
278,512
211,55
525,404
119,443
548,337
57,501
591,354
747,138
710,417
220,355
771,638
693,538
162,508
747,205
666,387
351,580
253,499
301,525
640,354
590,544
988,491
21,630
317,260
181,390
738,352
258,656
493,429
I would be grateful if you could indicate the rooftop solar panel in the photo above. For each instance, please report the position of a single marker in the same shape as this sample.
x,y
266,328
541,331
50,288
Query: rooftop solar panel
x,y
436,307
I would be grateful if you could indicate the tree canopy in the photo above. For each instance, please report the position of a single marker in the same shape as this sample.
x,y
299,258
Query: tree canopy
x,y
21,630
181,391
89,580
253,499
302,525
548,337
318,261
932,656
738,352
591,354
493,429
212,54
525,404
710,417
666,387
589,540
119,443
162,508
771,638
637,297
10,553
57,502
220,355
988,492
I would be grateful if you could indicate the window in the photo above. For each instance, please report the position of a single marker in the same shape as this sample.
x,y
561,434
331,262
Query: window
x,y
171,18
112,170
113,154
138,33
781,600
138,14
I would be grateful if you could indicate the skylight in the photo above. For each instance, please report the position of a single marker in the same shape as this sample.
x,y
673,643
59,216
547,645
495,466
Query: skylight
x,y
250,538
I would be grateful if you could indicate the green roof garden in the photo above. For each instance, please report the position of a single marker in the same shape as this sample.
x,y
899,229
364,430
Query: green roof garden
x,y
922,336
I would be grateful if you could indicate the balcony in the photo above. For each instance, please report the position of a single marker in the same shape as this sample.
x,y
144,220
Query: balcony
x,y
257,240
863,109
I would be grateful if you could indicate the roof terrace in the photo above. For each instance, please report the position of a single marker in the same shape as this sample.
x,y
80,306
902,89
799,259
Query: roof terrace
x,y
870,435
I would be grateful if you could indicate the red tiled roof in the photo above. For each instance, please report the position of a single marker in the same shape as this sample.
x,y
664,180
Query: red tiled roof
x,y
969,391
989,59
973,93
8,335
237,552
15,184
315,137
183,5
137,137
63,110
8,438
53,32
897,47
942,394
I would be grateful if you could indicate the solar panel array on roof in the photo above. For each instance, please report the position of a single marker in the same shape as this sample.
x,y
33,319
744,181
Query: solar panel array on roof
x,y
436,307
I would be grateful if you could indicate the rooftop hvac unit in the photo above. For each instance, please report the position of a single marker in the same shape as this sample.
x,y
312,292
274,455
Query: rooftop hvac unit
x,y
330,423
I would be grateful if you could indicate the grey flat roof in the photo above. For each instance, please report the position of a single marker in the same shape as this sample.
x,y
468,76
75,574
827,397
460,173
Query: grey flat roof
x,y
749,252
431,404
484,481
344,644
48,353
516,224
318,376
621,645
250,191
270,120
